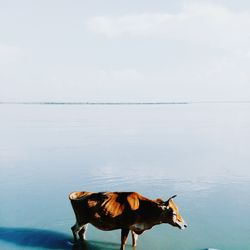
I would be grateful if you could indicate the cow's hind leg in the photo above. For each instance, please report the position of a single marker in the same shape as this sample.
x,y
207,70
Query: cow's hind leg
x,y
124,237
82,232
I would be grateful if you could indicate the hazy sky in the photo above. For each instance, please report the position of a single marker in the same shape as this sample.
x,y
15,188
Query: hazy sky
x,y
133,50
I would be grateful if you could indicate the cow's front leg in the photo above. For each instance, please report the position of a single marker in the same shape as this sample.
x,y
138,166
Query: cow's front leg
x,y
74,229
124,237
134,238
82,232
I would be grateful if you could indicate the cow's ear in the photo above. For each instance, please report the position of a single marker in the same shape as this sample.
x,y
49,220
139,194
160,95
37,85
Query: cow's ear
x,y
160,201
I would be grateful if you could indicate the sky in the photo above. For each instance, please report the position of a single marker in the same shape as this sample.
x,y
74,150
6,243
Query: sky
x,y
127,51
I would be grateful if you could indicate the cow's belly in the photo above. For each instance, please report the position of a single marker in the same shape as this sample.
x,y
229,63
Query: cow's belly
x,y
105,226
139,228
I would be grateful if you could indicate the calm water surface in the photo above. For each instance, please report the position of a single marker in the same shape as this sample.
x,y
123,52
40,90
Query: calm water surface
x,y
198,151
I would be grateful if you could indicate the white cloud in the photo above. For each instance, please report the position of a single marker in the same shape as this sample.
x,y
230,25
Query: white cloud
x,y
207,24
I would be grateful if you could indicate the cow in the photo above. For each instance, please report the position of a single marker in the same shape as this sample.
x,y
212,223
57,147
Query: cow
x,y
128,211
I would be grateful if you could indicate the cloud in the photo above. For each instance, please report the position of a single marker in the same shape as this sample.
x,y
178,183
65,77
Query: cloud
x,y
201,52
201,23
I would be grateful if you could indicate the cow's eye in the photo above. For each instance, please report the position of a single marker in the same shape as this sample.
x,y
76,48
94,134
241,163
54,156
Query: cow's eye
x,y
170,210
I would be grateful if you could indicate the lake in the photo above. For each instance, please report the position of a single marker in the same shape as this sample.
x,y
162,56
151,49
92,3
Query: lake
x,y
198,151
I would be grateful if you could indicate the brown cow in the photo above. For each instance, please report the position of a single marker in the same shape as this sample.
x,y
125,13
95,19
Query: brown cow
x,y
122,210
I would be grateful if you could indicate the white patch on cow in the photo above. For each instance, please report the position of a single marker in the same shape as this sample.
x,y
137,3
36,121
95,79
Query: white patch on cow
x,y
134,238
164,207
138,227
175,218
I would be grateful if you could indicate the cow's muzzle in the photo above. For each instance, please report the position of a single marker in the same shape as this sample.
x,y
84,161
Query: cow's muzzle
x,y
182,225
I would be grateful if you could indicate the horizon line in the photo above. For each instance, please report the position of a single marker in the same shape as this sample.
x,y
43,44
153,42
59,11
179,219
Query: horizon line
x,y
123,103
93,103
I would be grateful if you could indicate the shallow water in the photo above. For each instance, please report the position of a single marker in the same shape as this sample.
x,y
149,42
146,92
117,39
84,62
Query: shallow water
x,y
198,151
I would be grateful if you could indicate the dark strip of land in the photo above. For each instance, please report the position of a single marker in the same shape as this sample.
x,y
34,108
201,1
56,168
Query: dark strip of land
x,y
94,103
128,103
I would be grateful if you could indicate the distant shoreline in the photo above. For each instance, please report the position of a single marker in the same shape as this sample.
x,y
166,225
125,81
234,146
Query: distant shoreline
x,y
95,103
127,103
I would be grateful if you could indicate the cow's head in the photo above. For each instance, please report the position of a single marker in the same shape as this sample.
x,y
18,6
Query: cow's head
x,y
171,214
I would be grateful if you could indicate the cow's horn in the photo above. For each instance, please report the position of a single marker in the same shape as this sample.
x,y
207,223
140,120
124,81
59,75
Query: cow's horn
x,y
170,199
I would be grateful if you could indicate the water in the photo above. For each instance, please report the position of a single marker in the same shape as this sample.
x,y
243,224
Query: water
x,y
198,151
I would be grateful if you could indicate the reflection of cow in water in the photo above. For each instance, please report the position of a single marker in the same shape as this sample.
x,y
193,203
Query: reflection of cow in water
x,y
122,210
